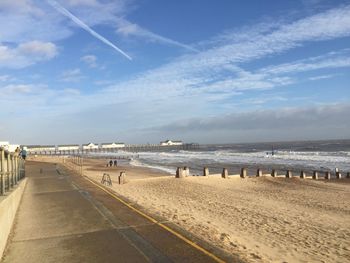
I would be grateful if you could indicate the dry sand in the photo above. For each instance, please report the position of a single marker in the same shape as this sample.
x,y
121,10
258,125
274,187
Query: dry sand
x,y
260,219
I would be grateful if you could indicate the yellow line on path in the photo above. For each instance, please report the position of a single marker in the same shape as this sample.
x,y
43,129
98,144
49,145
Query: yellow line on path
x,y
158,223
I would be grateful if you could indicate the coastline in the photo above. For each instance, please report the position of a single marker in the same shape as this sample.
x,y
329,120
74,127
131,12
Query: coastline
x,y
260,219
257,219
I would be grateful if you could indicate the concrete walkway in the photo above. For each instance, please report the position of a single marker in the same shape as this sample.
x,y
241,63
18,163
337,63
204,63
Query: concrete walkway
x,y
64,218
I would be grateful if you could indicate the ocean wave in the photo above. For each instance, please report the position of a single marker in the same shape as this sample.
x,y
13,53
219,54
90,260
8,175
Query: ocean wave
x,y
138,163
306,159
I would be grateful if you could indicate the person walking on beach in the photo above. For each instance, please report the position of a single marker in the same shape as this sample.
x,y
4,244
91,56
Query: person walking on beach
x,y
110,163
115,163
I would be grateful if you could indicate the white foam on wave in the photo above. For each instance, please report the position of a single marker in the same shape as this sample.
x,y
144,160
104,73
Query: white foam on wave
x,y
169,170
315,160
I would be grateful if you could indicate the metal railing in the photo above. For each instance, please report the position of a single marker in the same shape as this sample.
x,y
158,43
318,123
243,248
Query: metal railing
x,y
11,170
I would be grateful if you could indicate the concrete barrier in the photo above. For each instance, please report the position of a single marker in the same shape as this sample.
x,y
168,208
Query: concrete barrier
x,y
8,208
315,175
224,173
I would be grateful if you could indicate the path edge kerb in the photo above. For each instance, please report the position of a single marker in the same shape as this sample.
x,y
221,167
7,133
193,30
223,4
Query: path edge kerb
x,y
8,209
153,220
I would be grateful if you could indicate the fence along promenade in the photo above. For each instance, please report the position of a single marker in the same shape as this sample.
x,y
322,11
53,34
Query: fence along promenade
x,y
11,170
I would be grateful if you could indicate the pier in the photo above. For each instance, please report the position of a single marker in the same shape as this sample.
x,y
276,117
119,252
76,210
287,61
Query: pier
x,y
84,150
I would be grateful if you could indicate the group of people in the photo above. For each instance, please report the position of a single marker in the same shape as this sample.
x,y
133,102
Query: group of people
x,y
112,163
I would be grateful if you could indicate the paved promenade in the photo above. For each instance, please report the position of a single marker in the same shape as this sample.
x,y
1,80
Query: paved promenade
x,y
65,218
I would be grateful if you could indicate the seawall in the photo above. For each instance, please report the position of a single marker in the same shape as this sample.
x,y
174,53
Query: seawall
x,y
8,208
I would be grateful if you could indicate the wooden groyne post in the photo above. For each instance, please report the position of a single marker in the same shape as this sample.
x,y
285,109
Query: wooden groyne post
x,y
259,173
224,173
315,175
122,177
180,172
273,173
327,175
244,173
187,171
337,175
205,171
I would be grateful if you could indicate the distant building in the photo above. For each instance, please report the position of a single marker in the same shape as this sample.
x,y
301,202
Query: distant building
x,y
171,143
4,144
73,147
9,147
40,148
112,145
90,146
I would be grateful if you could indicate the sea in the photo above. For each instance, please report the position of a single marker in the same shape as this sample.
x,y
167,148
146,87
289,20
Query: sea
x,y
307,156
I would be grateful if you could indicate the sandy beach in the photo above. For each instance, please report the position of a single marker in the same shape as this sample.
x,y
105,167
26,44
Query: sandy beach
x,y
260,219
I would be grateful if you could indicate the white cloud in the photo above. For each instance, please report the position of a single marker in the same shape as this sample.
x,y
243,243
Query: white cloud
x,y
20,6
217,70
126,28
331,60
44,51
17,89
4,78
204,83
82,2
84,26
323,77
71,92
72,75
26,54
90,60
300,123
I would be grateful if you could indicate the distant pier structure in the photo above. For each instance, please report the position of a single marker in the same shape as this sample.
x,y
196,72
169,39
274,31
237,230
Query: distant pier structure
x,y
90,148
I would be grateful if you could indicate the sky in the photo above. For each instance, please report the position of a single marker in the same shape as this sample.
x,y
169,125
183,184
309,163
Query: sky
x,y
143,71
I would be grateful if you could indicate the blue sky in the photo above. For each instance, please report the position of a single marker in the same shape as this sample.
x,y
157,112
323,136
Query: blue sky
x,y
75,71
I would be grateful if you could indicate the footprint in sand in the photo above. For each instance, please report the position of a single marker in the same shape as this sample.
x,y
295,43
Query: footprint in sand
x,y
224,236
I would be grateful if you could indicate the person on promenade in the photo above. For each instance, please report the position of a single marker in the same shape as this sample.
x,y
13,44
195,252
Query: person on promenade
x,y
23,154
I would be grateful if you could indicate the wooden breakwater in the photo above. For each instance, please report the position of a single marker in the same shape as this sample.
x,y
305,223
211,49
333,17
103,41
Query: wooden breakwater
x,y
182,172
11,170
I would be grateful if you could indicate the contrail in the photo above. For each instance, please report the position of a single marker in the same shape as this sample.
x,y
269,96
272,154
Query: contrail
x,y
84,26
